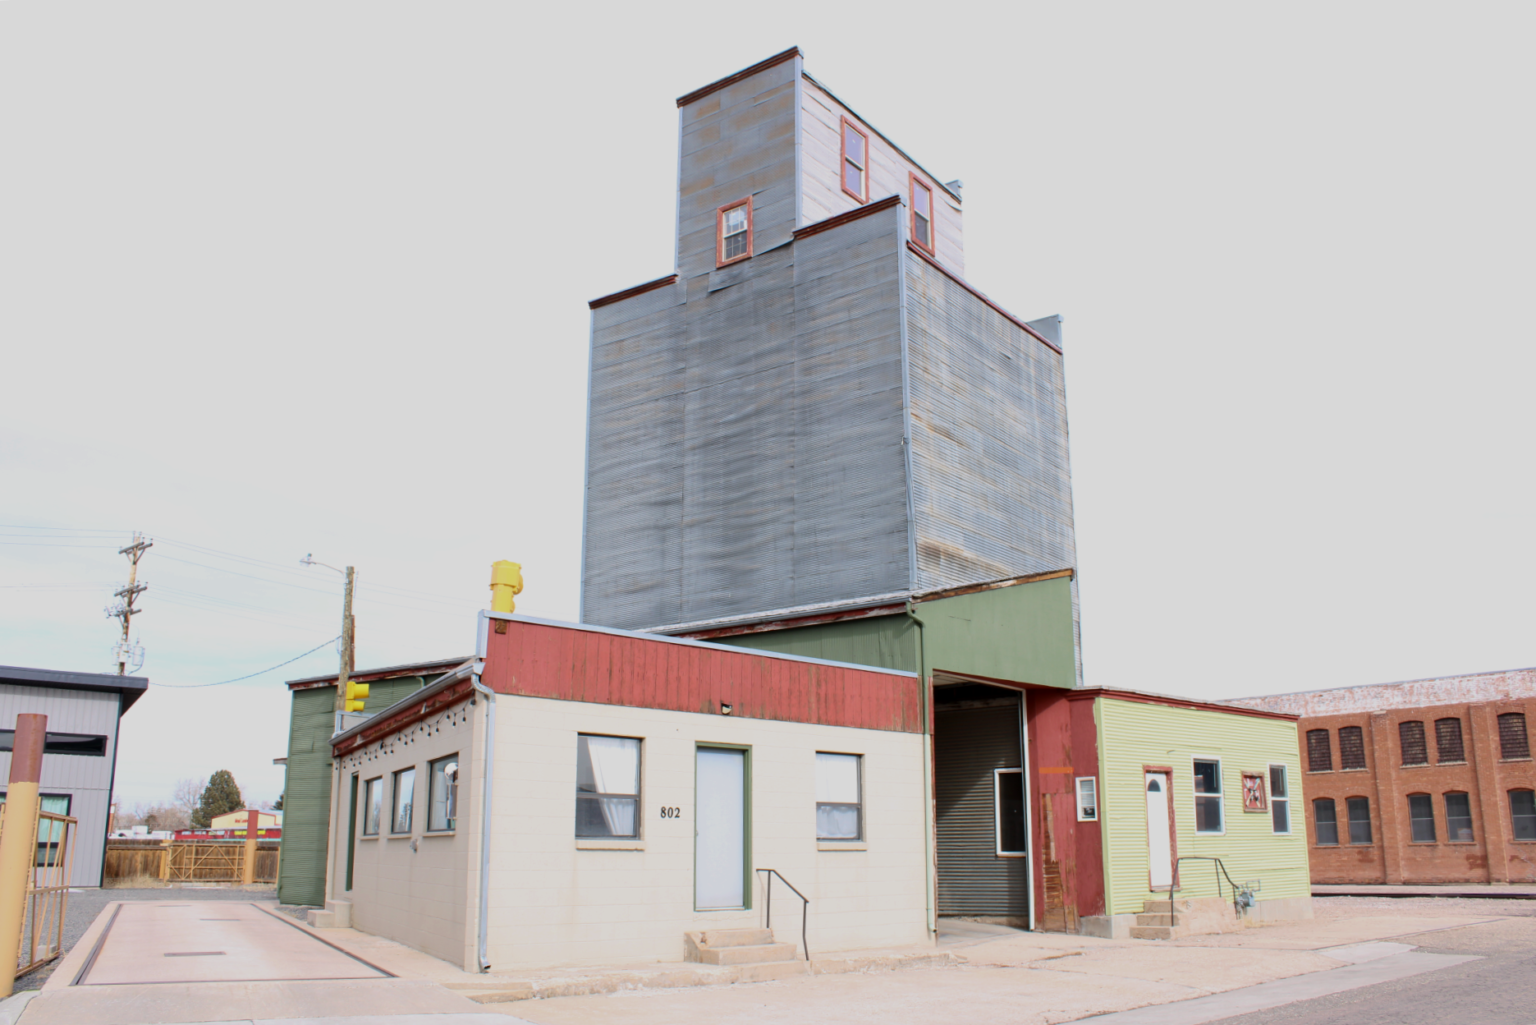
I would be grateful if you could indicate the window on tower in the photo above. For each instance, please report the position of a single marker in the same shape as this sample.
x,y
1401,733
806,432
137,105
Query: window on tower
x,y
855,162
735,228
922,214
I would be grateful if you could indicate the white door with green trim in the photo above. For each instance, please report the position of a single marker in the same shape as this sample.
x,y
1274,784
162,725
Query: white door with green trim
x,y
720,831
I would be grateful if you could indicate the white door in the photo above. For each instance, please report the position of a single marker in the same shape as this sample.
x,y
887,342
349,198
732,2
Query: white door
x,y
1159,845
719,846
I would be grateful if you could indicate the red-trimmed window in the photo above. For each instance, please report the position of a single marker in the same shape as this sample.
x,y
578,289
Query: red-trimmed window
x,y
922,214
855,162
734,232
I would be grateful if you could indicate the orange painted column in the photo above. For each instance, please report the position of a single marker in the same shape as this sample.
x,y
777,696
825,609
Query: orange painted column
x,y
18,840
248,871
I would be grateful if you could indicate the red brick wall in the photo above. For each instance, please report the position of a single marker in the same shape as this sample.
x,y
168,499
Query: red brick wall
x,y
1484,776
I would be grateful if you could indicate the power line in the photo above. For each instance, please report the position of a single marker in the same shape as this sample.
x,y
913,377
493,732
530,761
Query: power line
x,y
193,686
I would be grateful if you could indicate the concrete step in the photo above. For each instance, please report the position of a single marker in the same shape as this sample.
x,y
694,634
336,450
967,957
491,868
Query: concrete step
x,y
755,954
337,915
1155,920
1152,932
735,937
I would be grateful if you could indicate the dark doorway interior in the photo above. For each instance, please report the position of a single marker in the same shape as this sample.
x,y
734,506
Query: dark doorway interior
x,y
979,795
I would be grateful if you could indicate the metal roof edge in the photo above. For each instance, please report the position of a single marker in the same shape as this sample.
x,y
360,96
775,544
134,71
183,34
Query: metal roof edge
x,y
385,672
1393,683
664,639
447,680
1154,698
784,613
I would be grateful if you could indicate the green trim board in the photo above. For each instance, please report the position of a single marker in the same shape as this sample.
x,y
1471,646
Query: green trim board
x,y
1022,633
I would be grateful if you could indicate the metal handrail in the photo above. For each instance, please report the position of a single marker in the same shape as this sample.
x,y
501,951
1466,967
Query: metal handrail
x,y
805,905
1221,869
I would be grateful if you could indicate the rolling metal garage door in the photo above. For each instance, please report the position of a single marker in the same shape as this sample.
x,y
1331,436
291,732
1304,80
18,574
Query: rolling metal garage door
x,y
969,745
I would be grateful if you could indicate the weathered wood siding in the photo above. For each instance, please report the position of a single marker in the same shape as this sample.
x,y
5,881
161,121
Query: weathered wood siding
x,y
574,663
738,142
821,192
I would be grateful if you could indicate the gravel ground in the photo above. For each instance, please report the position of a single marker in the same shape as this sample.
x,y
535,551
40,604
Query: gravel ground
x,y
85,905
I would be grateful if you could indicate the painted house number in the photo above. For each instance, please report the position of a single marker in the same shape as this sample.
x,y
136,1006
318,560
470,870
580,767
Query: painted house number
x,y
671,813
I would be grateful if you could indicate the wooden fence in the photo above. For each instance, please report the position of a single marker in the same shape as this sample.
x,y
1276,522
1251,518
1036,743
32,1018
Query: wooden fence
x,y
215,861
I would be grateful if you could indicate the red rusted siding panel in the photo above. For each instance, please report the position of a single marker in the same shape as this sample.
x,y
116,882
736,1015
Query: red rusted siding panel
x,y
576,664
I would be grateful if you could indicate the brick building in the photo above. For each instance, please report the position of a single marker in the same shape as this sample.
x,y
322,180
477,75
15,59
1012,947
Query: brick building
x,y
1428,781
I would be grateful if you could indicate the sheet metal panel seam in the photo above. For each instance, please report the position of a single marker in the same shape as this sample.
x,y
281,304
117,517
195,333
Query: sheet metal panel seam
x,y
906,402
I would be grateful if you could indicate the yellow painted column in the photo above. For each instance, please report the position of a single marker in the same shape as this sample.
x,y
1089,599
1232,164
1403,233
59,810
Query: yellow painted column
x,y
18,840
248,870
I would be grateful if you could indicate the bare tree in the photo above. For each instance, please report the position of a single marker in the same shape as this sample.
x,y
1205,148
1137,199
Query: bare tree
x,y
188,796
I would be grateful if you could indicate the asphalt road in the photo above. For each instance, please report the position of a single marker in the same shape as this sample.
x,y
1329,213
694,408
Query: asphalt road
x,y
85,905
1500,989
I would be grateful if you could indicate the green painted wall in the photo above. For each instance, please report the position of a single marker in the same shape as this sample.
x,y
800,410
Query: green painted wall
x,y
1133,735
889,642
307,790
1021,633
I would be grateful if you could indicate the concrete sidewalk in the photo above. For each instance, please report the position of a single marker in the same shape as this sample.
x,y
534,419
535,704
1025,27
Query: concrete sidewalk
x,y
991,970
1506,891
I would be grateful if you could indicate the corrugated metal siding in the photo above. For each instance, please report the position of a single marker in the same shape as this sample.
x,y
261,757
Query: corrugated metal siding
x,y
543,661
745,445
738,142
969,744
307,789
88,780
1133,735
992,490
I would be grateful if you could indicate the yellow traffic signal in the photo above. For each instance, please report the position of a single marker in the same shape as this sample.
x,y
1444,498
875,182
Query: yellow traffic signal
x,y
355,694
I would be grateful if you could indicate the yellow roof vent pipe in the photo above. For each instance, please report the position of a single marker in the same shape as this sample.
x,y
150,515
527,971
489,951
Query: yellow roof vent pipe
x,y
506,584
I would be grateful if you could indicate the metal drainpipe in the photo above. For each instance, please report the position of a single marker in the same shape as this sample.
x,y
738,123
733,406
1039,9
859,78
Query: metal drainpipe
x,y
481,938
923,693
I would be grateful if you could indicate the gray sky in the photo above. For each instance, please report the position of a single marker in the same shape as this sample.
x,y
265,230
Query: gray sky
x,y
289,277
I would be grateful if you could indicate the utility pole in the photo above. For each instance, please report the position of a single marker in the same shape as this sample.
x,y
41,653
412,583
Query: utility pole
x,y
348,639
124,609
348,646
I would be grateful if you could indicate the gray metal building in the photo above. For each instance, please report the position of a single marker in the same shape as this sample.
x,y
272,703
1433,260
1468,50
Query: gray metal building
x,y
80,754
835,419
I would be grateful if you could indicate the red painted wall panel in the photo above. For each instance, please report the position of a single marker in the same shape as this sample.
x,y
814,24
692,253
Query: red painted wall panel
x,y
578,664
1063,736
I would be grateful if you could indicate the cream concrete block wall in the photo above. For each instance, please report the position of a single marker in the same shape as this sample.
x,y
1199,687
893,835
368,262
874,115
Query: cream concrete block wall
x,y
553,900
421,895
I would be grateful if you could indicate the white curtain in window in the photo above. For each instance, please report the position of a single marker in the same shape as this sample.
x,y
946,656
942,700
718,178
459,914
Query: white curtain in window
x,y
616,770
837,778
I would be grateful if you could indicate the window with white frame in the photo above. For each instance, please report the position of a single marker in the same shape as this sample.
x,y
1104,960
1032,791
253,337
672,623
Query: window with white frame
x,y
607,787
839,797
735,226
442,794
1087,799
1279,799
1208,817
405,797
373,805
1008,790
